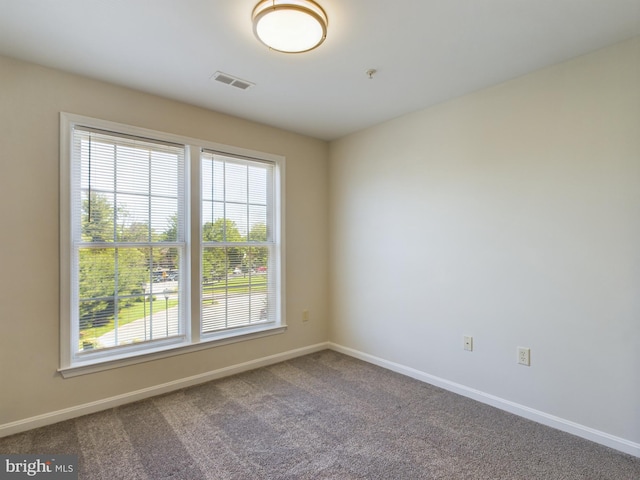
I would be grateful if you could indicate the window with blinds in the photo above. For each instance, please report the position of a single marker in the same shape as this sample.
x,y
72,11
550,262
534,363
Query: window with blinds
x,y
167,244
128,239
238,245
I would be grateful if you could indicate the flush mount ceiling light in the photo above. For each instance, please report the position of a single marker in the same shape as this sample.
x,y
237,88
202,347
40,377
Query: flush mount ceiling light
x,y
293,26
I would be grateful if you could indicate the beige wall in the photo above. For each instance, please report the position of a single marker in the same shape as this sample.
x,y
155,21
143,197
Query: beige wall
x,y
512,215
31,98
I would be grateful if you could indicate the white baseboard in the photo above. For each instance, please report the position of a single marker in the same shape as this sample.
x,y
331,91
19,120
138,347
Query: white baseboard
x,y
104,404
558,423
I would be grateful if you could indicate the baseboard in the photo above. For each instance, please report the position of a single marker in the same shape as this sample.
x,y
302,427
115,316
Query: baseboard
x,y
558,423
104,404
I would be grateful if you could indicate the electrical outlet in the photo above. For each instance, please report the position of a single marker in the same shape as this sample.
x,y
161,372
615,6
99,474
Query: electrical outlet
x,y
468,343
524,356
305,315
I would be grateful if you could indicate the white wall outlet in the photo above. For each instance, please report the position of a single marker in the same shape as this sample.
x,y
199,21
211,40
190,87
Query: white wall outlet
x,y
468,343
305,315
524,356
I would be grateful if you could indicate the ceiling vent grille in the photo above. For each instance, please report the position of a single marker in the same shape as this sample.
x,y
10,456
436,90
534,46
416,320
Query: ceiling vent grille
x,y
231,80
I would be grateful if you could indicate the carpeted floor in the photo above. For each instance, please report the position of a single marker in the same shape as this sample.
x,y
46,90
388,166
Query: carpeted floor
x,y
324,416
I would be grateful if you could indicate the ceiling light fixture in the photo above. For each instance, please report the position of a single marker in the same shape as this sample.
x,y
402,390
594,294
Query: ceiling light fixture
x,y
293,26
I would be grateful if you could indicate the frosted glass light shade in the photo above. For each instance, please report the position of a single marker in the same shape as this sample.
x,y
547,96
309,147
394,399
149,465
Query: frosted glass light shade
x,y
293,26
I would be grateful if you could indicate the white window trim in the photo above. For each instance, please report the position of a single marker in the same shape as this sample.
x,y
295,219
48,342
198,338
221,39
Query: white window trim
x,y
193,341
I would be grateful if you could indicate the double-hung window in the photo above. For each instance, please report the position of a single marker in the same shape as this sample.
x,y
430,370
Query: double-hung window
x,y
238,248
167,244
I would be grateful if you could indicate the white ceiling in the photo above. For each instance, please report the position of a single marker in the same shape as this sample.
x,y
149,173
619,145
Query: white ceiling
x,y
425,51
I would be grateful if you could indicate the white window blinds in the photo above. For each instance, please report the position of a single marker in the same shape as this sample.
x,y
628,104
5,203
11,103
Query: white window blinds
x,y
238,258
128,240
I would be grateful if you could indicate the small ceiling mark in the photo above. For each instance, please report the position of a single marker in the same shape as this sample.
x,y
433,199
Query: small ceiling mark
x,y
231,80
371,72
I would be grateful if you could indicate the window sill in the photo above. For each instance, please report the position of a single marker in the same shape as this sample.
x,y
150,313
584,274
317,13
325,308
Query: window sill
x,y
167,351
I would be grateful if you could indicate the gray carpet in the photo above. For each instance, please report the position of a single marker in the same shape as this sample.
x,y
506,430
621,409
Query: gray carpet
x,y
325,416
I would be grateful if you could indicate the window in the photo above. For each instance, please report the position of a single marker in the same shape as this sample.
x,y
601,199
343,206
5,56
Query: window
x,y
128,201
238,247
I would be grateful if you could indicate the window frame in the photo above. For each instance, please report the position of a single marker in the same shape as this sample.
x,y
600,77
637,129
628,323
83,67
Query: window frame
x,y
193,339
269,243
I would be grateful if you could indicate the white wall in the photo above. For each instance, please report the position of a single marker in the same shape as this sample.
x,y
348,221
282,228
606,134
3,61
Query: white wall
x,y
31,98
513,215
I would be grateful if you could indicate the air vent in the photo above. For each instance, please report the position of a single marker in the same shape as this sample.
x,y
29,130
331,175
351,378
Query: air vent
x,y
231,80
